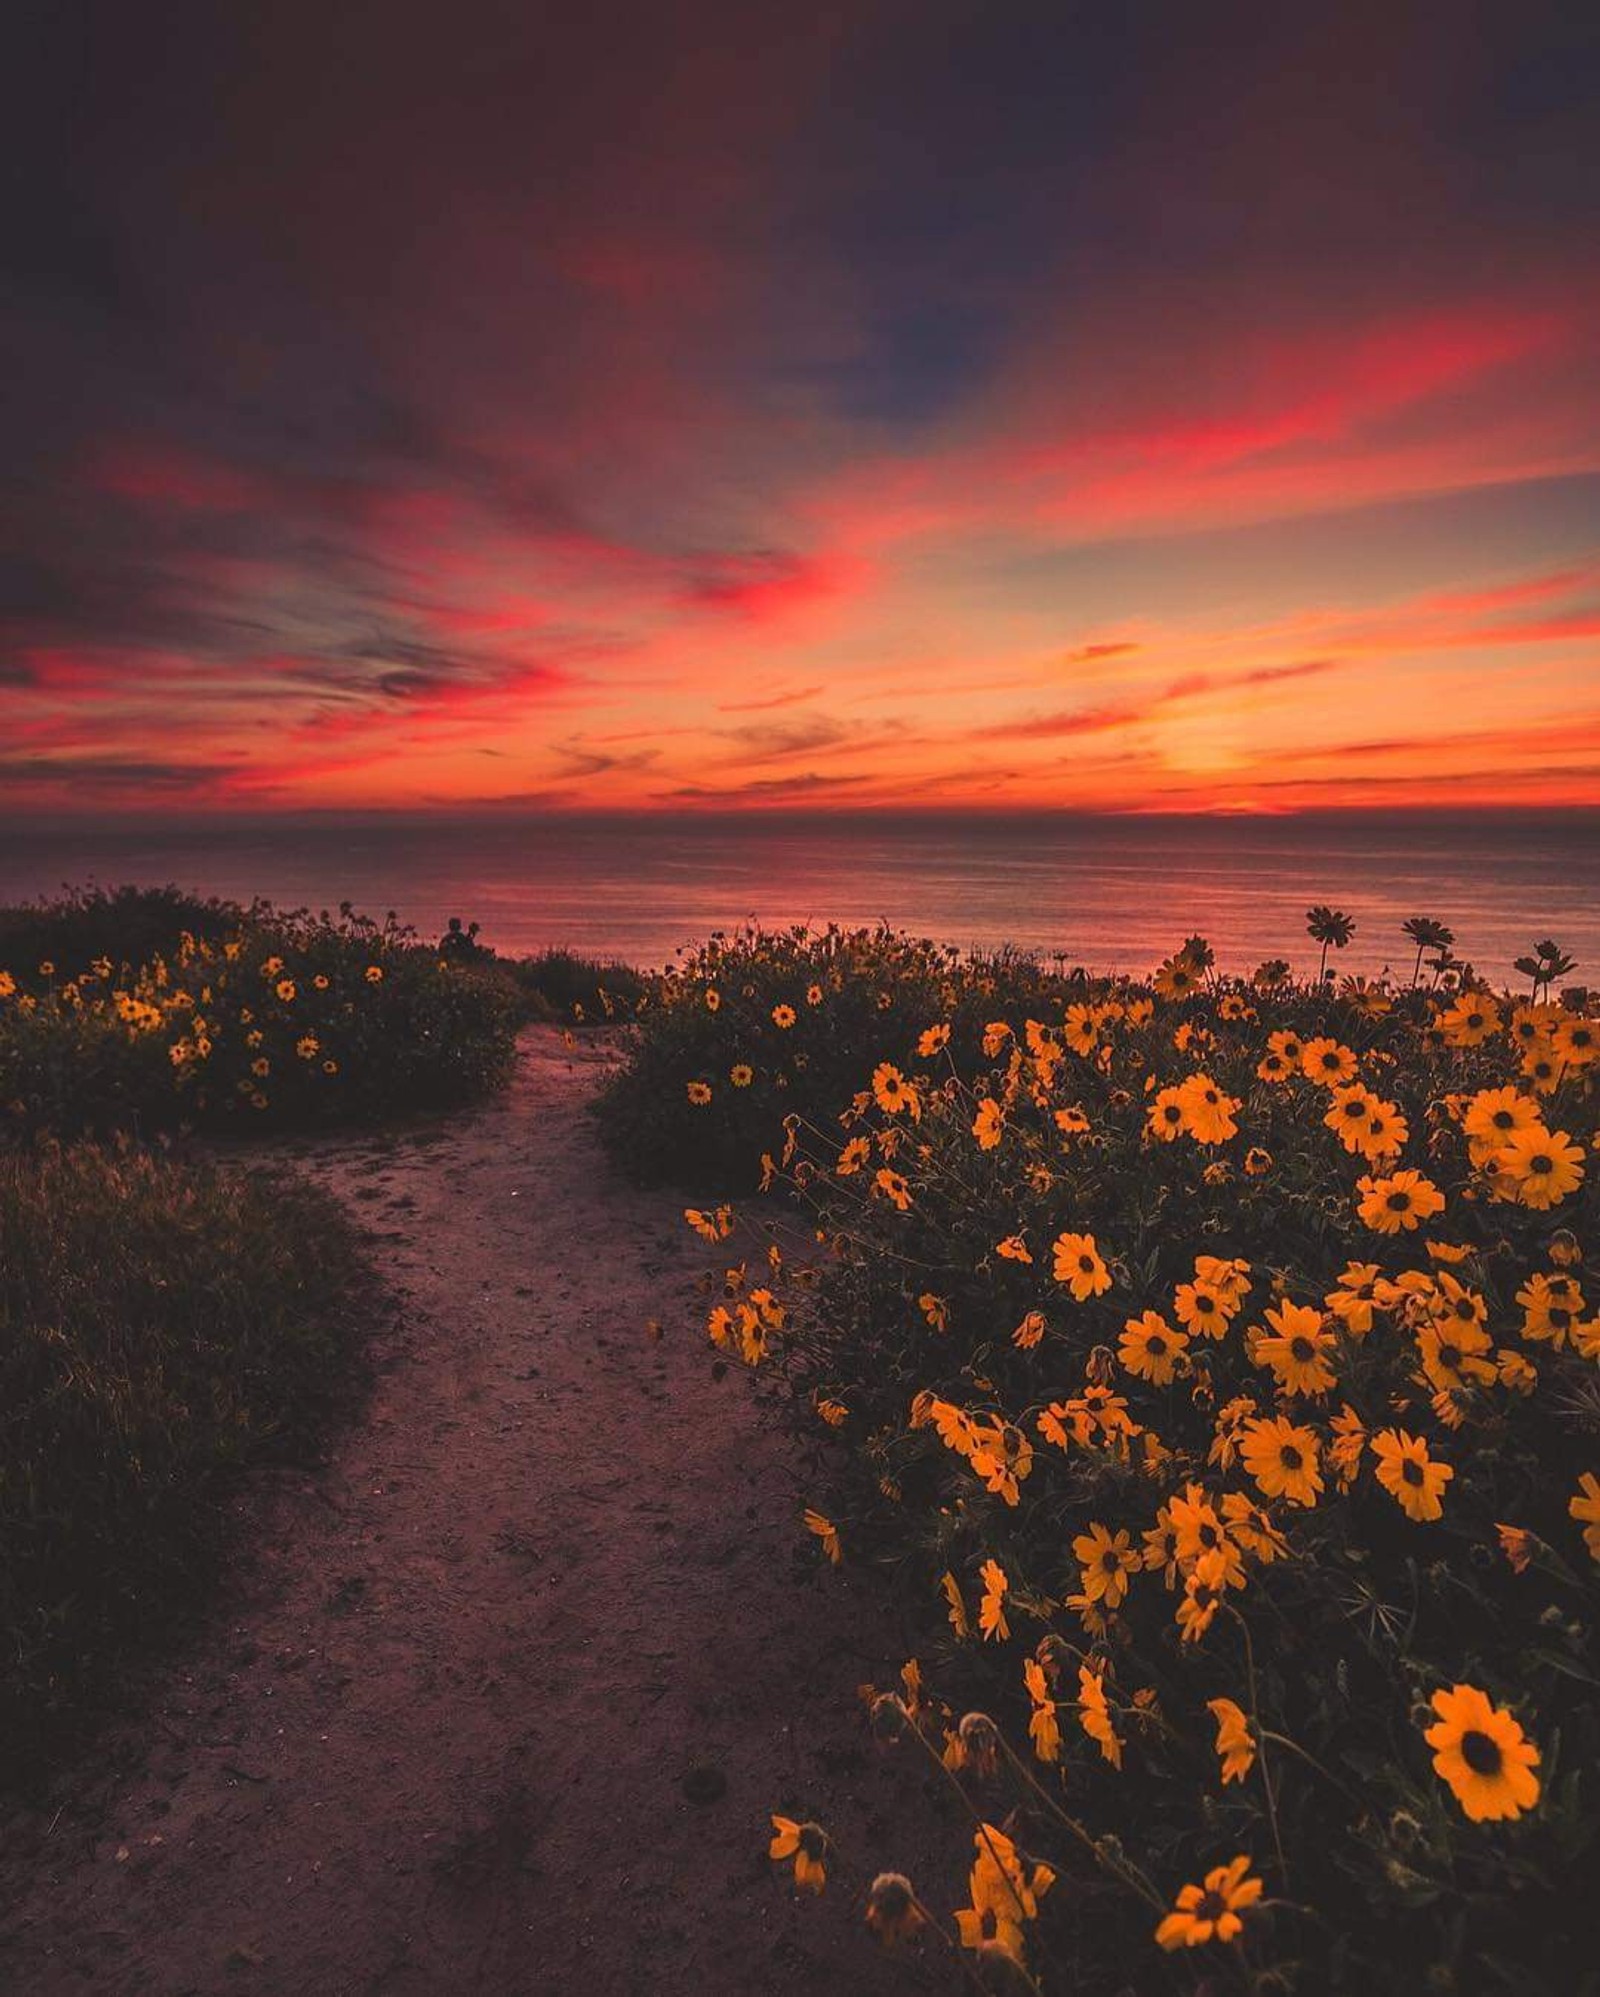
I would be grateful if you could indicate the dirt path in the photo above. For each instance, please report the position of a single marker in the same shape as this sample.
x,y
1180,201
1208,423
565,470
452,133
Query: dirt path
x,y
440,1743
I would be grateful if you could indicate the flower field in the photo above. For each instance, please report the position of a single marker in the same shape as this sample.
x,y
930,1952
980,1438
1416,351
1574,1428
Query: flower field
x,y
146,1009
1213,1366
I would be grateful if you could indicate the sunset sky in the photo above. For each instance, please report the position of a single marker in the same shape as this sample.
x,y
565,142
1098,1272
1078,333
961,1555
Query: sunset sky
x,y
1142,407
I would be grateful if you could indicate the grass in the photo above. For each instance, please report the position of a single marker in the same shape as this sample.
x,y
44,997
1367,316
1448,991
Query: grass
x,y
163,1325
578,990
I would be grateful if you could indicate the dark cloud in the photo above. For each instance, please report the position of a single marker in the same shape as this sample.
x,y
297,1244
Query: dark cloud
x,y
107,773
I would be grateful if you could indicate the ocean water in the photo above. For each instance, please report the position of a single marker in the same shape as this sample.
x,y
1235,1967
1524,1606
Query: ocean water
x,y
1114,894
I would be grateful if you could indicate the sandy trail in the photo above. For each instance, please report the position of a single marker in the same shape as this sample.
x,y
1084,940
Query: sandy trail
x,y
438,1738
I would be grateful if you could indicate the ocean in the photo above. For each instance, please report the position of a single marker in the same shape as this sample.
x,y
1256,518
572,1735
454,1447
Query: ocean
x,y
1110,893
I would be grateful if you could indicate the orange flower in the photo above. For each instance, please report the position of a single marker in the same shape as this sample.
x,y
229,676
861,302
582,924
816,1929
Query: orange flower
x,y
1150,1348
1483,1754
1211,1912
1236,1745
1410,1475
1107,1560
1077,1263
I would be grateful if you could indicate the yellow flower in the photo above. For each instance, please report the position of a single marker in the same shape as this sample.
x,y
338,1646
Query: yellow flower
x,y
1542,1069
1076,1262
741,1074
892,1187
307,1047
1552,1307
1005,1894
1150,1348
1576,1043
1454,1350
991,1610
1471,1020
1517,1544
1585,1508
828,1534
1107,1560
1327,1061
285,989
1211,1912
1283,1459
1354,1301
1493,1117
935,1309
1177,977
988,1123
1165,1115
1044,1729
932,1040
783,1017
1203,1311
893,1093
1208,1114
374,974
1030,1332
1236,1745
1400,1202
1538,1167
1298,1353
813,994
1409,1474
699,1093
1013,1249
8,985
854,1155
807,1845
959,1620
1483,1754
1094,1714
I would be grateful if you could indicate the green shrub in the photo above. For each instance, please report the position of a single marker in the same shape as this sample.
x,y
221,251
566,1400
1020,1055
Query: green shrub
x,y
251,1017
1005,1437
161,1325
761,1023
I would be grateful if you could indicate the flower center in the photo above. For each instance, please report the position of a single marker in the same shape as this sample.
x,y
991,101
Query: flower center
x,y
1481,1754
1541,1163
1303,1349
1210,1907
1398,1202
1411,1470
1289,1456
